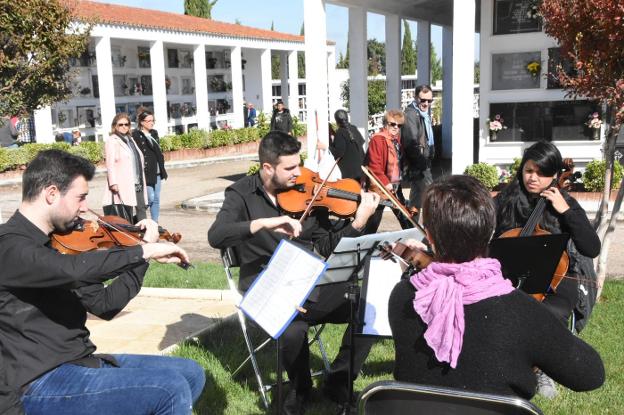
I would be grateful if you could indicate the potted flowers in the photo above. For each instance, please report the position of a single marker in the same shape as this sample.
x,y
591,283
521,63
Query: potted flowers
x,y
594,124
495,125
533,68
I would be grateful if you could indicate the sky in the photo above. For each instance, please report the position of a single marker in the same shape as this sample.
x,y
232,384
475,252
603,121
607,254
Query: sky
x,y
286,15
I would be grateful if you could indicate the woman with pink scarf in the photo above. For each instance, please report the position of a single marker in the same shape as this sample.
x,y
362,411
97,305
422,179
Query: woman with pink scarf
x,y
459,323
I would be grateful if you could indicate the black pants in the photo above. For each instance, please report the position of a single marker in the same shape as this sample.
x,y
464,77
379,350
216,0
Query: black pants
x,y
331,307
375,220
562,302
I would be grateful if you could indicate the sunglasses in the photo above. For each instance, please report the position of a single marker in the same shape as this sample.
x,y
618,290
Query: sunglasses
x,y
395,124
123,124
423,100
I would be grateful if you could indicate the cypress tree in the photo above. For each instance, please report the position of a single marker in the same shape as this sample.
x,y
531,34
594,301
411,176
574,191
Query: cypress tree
x,y
408,55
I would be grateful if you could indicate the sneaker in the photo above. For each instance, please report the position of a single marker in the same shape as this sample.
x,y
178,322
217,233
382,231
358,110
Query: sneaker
x,y
546,387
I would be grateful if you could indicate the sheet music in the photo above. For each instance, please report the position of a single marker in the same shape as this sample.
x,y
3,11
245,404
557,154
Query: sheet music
x,y
285,283
383,275
340,265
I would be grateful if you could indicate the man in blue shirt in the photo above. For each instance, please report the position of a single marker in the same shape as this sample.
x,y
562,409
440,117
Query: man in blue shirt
x,y
418,143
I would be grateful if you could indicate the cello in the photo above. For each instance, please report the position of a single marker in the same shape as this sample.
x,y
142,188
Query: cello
x,y
532,228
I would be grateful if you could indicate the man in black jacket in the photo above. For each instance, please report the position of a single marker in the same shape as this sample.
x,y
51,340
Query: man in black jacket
x,y
46,352
281,119
251,221
418,143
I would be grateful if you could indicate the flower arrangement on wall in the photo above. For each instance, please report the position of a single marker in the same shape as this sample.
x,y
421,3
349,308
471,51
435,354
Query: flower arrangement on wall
x,y
495,125
593,121
534,68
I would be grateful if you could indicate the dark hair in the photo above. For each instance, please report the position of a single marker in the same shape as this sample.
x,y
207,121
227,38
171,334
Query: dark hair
x,y
514,204
54,167
276,144
546,157
342,118
459,214
422,88
118,117
143,113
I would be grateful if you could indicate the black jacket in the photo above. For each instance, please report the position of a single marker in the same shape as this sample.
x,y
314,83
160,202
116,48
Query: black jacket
x,y
45,297
245,201
282,121
417,154
504,338
152,154
348,144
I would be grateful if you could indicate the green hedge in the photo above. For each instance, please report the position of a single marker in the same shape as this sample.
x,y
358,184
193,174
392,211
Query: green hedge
x,y
12,158
15,157
485,173
593,177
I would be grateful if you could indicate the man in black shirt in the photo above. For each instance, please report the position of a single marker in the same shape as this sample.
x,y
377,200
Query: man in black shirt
x,y
251,221
47,356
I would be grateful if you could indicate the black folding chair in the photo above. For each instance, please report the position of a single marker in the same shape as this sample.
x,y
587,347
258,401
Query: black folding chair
x,y
230,260
390,398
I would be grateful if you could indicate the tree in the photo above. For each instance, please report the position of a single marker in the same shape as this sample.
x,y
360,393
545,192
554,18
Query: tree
x,y
199,8
38,39
376,54
591,34
436,66
477,72
342,62
408,54
275,60
376,96
301,58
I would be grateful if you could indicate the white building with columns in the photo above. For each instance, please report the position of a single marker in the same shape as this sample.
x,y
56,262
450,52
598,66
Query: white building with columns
x,y
190,71
532,107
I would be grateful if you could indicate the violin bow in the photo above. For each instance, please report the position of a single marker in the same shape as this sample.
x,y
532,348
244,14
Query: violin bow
x,y
391,197
115,227
318,191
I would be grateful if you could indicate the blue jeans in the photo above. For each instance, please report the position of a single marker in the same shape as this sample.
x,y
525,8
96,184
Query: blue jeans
x,y
153,199
143,384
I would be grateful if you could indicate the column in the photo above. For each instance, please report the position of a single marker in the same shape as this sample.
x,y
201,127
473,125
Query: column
x,y
283,59
265,79
316,72
105,81
447,91
423,69
237,86
293,80
463,84
201,87
393,61
335,102
159,90
43,126
358,69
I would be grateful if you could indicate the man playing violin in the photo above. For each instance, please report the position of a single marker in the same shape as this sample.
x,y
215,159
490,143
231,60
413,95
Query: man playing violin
x,y
46,353
251,221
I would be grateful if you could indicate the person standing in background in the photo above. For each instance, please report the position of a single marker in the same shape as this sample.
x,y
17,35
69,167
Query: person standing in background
x,y
348,145
281,120
418,143
251,115
146,138
124,170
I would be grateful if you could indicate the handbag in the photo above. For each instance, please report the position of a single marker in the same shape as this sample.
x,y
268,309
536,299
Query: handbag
x,y
119,209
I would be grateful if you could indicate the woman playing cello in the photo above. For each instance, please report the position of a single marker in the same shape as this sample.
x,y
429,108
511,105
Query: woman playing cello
x,y
541,164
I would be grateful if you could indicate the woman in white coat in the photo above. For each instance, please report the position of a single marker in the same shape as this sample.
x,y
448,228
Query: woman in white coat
x,y
124,167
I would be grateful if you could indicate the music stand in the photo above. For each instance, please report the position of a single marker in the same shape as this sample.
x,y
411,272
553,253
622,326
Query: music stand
x,y
529,261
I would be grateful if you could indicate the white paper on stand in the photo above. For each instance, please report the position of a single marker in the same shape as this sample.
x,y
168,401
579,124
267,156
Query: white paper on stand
x,y
285,284
382,276
340,264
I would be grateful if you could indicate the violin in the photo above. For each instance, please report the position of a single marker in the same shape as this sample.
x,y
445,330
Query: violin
x,y
104,233
414,258
532,228
340,197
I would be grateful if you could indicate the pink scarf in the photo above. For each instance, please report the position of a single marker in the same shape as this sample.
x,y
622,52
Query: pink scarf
x,y
443,290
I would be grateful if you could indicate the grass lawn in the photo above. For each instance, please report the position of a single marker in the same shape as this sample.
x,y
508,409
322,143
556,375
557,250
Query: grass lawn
x,y
204,275
223,349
